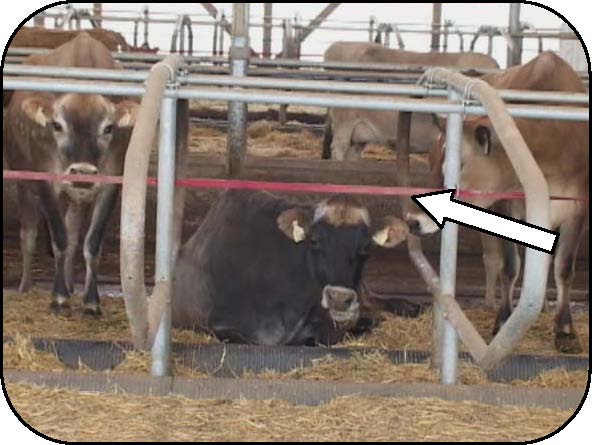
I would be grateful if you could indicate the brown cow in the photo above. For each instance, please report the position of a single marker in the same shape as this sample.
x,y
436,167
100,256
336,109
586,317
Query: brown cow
x,y
37,37
73,134
561,150
349,130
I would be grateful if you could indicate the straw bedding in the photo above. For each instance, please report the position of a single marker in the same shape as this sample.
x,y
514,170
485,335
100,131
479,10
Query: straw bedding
x,y
73,416
27,316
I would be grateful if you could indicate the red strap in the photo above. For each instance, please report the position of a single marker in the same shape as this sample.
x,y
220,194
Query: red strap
x,y
12,175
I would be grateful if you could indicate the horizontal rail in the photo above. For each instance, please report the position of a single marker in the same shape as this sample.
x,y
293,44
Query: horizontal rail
x,y
292,84
298,98
13,175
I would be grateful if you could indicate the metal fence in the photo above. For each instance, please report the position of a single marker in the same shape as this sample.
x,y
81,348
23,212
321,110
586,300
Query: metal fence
x,y
166,86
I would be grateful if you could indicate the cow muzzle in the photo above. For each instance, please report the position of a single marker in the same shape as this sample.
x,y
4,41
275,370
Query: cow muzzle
x,y
82,168
420,224
342,304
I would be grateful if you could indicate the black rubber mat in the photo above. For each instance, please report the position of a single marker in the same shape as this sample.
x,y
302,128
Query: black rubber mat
x,y
233,360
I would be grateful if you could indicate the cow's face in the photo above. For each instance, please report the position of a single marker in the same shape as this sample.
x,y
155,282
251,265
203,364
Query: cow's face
x,y
484,167
337,237
82,127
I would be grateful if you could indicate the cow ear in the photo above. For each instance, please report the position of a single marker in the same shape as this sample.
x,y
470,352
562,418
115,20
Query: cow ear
x,y
295,223
125,113
38,109
483,138
392,232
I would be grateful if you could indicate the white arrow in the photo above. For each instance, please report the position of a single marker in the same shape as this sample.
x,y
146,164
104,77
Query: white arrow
x,y
440,207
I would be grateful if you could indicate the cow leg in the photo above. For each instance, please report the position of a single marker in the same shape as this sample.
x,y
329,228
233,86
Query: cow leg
x,y
354,152
57,230
570,233
72,220
493,260
29,221
511,270
92,246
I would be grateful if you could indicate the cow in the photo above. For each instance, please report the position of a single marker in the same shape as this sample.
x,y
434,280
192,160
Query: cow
x,y
71,134
561,149
39,37
348,130
261,270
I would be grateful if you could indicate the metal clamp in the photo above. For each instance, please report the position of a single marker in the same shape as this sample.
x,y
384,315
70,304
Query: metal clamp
x,y
466,99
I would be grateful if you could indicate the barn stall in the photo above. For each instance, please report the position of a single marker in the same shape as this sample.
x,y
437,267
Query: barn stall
x,y
388,363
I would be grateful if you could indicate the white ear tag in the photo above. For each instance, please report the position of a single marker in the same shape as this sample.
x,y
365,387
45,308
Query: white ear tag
x,y
381,236
297,232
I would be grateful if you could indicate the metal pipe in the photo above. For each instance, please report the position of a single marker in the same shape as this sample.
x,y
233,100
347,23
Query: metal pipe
x,y
537,201
448,249
291,84
280,63
299,98
436,25
161,348
267,23
514,53
236,139
133,200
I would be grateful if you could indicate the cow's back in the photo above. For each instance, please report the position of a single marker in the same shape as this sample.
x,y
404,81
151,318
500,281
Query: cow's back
x,y
83,52
365,52
36,37
547,72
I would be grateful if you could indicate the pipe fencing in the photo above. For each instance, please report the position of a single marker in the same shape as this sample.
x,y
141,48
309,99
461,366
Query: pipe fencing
x,y
159,95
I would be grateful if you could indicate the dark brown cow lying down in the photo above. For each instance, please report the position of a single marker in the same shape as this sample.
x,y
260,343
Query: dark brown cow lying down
x,y
562,151
73,134
261,270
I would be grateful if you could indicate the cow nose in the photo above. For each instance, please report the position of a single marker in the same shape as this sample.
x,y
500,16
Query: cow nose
x,y
340,299
82,170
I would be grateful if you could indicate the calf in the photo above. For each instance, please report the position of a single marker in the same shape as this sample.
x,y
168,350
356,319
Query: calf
x,y
67,134
261,270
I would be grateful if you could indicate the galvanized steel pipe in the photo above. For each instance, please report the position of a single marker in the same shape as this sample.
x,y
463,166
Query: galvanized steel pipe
x,y
133,200
537,212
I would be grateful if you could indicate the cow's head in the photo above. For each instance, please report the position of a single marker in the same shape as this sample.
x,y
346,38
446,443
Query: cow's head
x,y
484,167
337,236
82,127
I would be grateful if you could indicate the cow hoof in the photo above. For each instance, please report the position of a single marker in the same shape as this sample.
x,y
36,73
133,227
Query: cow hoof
x,y
568,343
61,308
92,310
24,288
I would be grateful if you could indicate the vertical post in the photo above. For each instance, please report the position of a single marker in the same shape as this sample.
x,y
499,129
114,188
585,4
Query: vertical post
x,y
371,29
181,149
39,19
221,35
98,12
161,348
448,250
215,39
436,25
146,13
403,143
236,140
445,44
514,54
267,28
136,23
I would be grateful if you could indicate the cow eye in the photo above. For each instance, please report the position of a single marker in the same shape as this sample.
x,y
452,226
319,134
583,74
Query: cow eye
x,y
108,129
57,127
